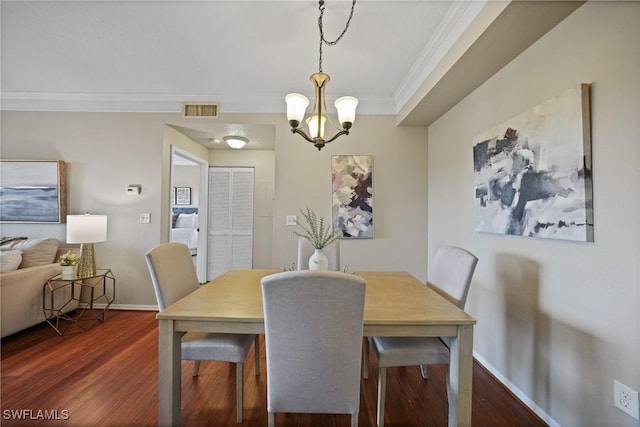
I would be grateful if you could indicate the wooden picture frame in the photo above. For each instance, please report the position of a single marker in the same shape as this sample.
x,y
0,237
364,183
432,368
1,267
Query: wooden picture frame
x,y
33,191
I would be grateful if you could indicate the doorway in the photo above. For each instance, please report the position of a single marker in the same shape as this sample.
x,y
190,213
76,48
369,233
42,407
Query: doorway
x,y
189,206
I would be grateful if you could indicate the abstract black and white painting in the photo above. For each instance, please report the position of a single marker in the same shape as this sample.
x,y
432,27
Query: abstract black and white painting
x,y
352,182
32,191
533,172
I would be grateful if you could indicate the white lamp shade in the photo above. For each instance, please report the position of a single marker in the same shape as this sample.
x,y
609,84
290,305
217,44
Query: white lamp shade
x,y
312,122
346,107
86,228
296,106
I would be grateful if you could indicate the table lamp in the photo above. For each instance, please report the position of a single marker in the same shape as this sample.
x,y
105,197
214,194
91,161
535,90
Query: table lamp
x,y
86,230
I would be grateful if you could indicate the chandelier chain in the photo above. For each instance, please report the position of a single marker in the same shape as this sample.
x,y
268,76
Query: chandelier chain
x,y
321,7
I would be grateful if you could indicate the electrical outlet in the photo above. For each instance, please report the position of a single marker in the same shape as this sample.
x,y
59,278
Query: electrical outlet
x,y
145,218
626,399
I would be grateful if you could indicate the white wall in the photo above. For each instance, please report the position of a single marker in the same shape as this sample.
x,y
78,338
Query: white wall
x,y
188,176
558,320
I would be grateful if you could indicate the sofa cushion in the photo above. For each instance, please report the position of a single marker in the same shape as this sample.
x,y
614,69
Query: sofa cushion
x,y
35,252
10,260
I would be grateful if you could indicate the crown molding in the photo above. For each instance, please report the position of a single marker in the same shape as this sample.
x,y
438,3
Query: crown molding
x,y
163,103
454,24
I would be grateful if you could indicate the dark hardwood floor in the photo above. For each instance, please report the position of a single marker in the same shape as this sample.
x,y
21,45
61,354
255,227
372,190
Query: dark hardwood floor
x,y
107,376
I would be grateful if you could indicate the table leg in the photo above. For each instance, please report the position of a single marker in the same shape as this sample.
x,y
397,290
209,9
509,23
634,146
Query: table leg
x,y
169,375
460,377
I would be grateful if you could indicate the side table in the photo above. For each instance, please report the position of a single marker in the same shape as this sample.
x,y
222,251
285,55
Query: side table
x,y
62,292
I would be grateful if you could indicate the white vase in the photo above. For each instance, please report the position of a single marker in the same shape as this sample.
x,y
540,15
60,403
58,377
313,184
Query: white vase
x,y
318,261
68,270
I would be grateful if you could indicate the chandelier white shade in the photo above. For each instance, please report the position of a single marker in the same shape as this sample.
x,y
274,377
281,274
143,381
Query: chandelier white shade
x,y
296,106
346,107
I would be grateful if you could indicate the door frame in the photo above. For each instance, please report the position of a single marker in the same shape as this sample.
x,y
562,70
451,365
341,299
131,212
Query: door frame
x,y
203,206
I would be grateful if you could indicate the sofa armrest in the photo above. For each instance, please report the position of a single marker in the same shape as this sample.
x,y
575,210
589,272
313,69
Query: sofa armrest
x,y
21,296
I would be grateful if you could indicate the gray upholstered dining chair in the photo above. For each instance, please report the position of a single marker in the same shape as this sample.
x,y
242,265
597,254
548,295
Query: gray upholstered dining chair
x,y
173,275
313,324
450,276
305,250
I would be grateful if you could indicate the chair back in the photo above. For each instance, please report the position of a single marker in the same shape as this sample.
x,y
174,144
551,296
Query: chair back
x,y
172,272
305,250
451,273
313,326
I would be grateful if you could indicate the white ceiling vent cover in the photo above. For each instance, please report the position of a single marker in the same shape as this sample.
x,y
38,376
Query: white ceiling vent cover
x,y
201,109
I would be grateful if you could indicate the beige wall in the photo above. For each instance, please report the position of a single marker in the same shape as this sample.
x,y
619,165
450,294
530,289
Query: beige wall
x,y
105,152
303,178
558,320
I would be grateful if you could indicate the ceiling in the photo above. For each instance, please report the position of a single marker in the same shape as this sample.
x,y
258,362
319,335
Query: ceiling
x,y
154,55
246,55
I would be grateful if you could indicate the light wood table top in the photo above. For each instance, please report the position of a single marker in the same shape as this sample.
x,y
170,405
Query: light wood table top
x,y
392,298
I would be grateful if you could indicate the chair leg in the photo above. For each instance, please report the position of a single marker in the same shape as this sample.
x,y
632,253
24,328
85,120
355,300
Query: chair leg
x,y
365,361
239,391
354,420
271,419
256,352
382,391
423,371
196,368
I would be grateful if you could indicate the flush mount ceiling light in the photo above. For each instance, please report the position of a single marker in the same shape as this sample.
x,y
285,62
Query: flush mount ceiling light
x,y
236,142
297,103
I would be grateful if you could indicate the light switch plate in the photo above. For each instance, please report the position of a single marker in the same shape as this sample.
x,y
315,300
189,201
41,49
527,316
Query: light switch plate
x,y
291,220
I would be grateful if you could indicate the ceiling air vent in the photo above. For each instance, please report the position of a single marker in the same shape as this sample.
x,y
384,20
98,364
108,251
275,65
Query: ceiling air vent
x,y
200,109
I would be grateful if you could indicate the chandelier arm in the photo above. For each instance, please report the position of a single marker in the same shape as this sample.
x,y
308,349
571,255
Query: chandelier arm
x,y
342,132
300,132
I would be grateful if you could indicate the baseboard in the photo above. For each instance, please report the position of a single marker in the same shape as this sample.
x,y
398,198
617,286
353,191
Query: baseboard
x,y
526,400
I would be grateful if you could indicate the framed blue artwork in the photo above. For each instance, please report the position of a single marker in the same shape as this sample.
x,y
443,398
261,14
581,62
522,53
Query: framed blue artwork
x,y
32,191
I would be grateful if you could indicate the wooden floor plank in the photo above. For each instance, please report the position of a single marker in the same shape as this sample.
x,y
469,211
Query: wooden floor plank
x,y
108,376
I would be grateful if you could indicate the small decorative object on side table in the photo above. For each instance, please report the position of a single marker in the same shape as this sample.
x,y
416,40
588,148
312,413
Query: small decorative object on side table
x,y
61,292
69,263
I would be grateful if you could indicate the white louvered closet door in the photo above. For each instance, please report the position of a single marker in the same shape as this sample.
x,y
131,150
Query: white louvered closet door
x,y
230,239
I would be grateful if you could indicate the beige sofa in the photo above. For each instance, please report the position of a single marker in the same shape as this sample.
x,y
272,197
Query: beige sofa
x,y
21,287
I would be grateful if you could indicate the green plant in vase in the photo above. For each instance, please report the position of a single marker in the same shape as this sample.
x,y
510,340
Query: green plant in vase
x,y
68,259
319,235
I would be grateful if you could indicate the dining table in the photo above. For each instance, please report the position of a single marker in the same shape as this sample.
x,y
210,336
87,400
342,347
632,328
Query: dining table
x,y
396,304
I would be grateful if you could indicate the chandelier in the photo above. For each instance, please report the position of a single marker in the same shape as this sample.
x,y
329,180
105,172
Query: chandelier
x,y
297,103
